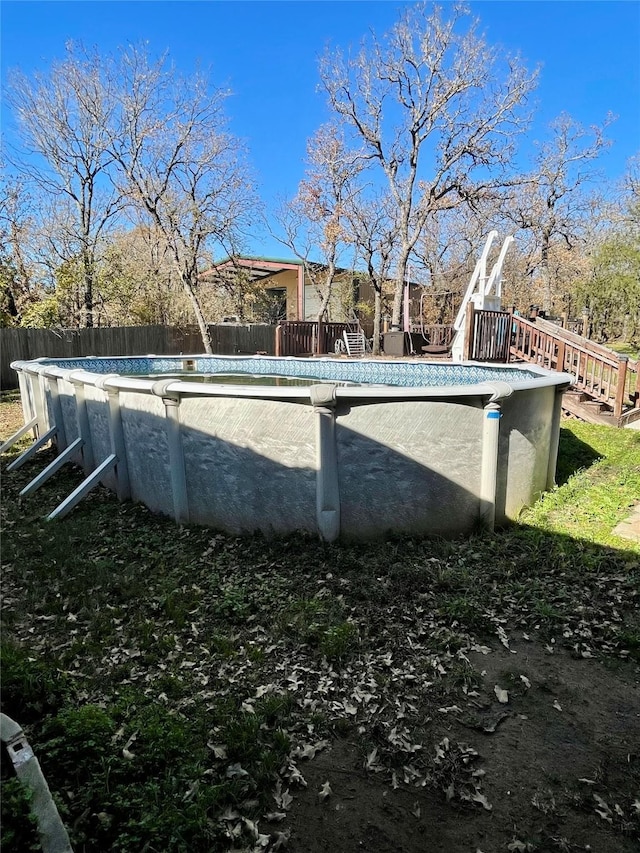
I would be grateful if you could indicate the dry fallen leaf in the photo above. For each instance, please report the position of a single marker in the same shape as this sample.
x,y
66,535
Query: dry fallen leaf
x,y
275,817
371,758
480,798
235,770
557,705
501,695
280,840
283,799
324,792
604,811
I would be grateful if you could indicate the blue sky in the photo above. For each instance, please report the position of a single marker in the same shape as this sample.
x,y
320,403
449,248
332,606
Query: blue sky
x,y
267,52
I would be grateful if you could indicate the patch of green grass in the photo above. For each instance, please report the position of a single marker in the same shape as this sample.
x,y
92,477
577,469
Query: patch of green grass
x,y
338,641
32,685
624,348
594,499
19,825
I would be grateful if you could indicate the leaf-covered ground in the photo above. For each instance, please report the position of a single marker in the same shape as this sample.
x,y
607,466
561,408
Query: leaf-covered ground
x,y
190,691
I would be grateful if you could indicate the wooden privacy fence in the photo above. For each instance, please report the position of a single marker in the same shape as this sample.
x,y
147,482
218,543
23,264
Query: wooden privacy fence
x,y
306,337
226,339
600,373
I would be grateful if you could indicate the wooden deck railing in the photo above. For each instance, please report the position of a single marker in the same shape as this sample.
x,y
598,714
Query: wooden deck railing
x,y
434,334
602,374
307,337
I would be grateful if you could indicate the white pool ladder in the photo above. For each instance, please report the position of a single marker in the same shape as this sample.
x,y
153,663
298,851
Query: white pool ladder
x,y
479,291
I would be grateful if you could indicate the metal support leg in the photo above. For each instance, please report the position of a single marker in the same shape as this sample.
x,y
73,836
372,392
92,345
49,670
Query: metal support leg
x,y
30,451
84,488
18,435
51,469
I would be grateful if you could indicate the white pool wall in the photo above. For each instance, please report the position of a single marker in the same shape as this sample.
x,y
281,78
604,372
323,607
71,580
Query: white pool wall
x,y
350,462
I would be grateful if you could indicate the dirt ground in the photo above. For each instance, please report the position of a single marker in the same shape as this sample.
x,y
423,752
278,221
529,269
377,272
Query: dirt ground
x,y
561,769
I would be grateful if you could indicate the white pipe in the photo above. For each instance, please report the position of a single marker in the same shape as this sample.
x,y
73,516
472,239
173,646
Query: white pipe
x,y
53,835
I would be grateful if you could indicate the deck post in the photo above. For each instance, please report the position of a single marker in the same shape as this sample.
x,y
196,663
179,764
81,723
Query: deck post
x,y
469,322
623,363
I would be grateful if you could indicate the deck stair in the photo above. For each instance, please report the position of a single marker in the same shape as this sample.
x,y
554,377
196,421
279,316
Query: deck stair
x,y
606,387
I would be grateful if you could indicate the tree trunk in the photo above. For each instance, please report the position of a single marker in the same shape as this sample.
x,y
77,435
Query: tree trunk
x,y
399,291
197,310
547,293
86,319
377,317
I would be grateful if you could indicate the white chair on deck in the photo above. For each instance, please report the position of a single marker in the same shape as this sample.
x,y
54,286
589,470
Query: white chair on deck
x,y
356,343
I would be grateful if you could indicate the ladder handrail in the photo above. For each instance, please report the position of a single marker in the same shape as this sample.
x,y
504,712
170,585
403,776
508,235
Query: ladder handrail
x,y
480,272
495,279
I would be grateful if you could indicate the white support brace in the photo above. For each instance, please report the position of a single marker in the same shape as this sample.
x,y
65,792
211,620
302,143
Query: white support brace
x,y
84,488
18,435
30,451
50,470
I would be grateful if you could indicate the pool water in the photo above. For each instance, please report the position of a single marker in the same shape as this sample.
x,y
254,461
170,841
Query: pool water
x,y
245,379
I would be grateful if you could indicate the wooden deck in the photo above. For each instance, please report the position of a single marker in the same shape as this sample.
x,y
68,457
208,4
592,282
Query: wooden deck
x,y
606,387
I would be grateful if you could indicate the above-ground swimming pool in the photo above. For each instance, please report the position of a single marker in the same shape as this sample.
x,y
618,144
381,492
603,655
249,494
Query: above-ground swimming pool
x,y
361,448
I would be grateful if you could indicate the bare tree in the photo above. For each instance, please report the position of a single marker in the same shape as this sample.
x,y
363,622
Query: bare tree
x,y
137,281
447,250
180,166
313,225
17,279
64,120
373,235
437,110
553,204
